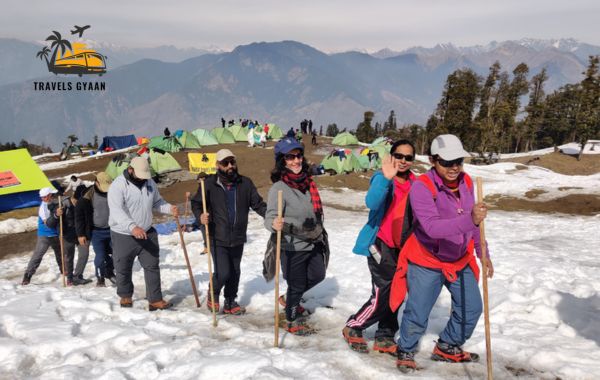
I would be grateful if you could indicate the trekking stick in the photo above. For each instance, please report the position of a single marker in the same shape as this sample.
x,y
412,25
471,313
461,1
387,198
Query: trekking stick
x,y
62,249
210,279
277,260
185,254
486,308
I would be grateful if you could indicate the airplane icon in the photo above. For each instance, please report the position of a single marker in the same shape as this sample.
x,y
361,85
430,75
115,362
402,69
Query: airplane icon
x,y
79,29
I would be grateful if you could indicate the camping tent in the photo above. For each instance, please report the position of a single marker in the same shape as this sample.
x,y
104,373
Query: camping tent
x,y
110,143
275,133
163,162
20,180
381,140
346,164
118,163
239,133
205,137
168,144
345,138
188,140
332,162
223,136
143,140
351,163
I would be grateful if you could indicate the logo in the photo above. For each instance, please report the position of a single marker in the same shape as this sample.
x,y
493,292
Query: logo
x,y
72,58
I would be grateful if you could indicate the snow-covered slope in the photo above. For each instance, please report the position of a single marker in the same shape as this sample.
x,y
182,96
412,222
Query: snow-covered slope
x,y
544,302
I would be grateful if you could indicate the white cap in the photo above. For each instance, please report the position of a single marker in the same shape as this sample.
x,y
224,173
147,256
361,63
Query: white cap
x,y
223,154
448,147
141,168
47,191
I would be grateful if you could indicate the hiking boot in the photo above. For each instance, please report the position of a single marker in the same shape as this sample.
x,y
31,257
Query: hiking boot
x,y
209,304
126,302
26,279
355,339
160,305
100,283
299,327
233,308
301,311
79,280
69,281
385,345
447,352
406,362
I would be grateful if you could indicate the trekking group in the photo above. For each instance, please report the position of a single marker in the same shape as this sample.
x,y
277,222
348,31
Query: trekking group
x,y
421,235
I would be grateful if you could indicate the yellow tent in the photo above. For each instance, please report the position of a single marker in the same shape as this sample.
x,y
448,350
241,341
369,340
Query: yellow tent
x,y
203,163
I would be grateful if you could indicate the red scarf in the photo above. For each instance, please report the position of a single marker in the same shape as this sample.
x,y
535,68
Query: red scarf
x,y
303,181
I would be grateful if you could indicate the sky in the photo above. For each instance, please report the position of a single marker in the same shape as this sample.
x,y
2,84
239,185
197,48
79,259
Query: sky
x,y
328,25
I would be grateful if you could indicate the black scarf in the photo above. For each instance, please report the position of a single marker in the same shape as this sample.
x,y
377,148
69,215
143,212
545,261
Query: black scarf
x,y
227,179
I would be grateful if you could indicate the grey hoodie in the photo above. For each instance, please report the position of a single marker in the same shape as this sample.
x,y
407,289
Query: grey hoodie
x,y
131,206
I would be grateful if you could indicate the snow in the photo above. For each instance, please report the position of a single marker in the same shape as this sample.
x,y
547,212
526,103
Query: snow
x,y
15,226
62,164
544,302
591,147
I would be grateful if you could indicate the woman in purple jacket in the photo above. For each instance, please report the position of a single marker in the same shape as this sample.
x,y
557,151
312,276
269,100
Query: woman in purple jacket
x,y
446,220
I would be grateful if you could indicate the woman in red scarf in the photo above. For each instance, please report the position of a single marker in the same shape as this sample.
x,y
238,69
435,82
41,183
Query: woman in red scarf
x,y
304,242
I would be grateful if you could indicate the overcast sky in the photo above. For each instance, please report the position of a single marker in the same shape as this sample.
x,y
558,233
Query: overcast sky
x,y
328,25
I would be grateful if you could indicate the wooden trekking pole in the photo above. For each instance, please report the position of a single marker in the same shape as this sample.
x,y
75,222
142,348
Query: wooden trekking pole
x,y
277,260
210,277
185,254
62,246
486,308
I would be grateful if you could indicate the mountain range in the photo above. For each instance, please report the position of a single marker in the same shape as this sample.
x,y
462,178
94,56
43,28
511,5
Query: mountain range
x,y
281,82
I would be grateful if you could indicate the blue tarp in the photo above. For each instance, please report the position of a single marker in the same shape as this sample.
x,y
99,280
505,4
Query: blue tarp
x,y
170,227
117,142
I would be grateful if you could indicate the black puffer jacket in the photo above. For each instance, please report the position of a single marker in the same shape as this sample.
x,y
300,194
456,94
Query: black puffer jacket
x,y
221,231
68,219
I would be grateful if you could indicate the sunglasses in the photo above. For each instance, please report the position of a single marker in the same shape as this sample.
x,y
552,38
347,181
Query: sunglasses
x,y
400,156
290,157
227,162
449,164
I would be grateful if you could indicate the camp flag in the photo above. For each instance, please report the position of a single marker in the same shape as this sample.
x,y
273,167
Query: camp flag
x,y
8,178
203,163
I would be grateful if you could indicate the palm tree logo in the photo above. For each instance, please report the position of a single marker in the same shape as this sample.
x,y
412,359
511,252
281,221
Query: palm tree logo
x,y
70,58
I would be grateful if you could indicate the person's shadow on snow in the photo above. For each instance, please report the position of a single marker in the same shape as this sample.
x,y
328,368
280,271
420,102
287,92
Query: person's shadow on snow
x,y
182,289
257,285
581,314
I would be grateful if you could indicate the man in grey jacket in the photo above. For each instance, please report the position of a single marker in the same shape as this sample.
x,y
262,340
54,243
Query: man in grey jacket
x,y
131,199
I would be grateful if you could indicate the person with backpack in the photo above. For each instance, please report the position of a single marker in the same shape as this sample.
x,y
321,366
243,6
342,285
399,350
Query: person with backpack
x,y
439,253
380,241
229,198
304,246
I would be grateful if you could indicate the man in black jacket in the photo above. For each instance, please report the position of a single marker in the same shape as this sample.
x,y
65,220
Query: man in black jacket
x,y
229,198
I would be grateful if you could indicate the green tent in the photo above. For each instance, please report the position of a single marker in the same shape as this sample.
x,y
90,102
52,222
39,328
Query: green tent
x,y
239,133
116,166
205,137
345,138
168,144
382,140
364,163
275,133
188,141
223,135
351,163
382,150
333,163
20,180
163,162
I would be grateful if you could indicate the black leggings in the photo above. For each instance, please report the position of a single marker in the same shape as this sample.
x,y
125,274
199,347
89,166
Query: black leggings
x,y
302,270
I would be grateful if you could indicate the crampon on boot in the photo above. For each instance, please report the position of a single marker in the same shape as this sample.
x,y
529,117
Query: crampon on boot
x,y
299,327
355,339
406,362
299,309
446,352
233,308
385,345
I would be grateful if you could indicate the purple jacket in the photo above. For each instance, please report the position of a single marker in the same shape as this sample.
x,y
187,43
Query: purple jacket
x,y
444,226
